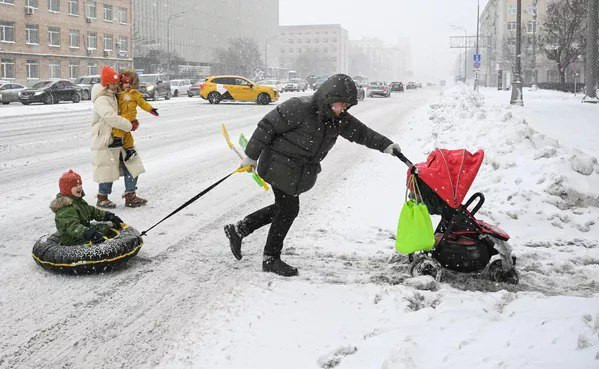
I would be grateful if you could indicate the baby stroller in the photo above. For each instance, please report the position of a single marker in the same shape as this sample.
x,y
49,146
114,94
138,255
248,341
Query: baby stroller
x,y
462,242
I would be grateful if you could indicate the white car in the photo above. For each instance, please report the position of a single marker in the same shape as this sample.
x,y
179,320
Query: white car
x,y
274,83
180,86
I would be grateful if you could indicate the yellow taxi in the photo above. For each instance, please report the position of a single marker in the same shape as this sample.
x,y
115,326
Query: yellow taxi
x,y
218,88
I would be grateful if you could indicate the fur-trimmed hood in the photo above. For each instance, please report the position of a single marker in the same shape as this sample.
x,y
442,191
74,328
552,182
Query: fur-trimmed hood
x,y
134,78
61,201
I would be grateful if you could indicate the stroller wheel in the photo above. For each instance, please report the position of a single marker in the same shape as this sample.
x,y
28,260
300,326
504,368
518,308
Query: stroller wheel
x,y
497,274
425,265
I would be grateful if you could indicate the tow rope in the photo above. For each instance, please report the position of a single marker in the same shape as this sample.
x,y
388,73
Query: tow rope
x,y
190,201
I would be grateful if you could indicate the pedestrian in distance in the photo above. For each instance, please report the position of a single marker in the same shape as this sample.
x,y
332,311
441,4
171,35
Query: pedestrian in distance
x,y
129,98
286,149
108,162
73,215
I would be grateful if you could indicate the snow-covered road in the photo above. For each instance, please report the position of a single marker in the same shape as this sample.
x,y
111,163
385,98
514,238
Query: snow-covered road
x,y
184,286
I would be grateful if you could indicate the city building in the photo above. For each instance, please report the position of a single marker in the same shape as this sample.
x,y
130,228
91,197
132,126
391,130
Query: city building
x,y
370,57
328,44
192,30
498,24
51,39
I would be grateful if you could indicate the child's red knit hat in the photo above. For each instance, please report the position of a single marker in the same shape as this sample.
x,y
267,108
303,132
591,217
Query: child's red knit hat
x,y
67,181
108,76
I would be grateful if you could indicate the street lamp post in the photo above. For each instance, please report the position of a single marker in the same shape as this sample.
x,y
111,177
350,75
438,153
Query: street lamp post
x,y
591,57
168,40
516,98
533,58
465,49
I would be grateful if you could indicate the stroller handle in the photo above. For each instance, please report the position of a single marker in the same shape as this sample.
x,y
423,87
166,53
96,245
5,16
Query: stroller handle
x,y
403,158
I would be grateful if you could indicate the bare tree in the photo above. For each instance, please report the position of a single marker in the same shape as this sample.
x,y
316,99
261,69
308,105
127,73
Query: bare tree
x,y
564,33
242,57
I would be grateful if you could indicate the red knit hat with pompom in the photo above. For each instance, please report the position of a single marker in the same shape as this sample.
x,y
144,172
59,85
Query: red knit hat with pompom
x,y
67,181
108,76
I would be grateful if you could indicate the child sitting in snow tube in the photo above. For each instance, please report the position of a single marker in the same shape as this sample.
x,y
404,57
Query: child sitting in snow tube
x,y
80,246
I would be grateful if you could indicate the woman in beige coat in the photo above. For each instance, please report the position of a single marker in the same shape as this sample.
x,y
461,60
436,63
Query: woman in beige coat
x,y
107,161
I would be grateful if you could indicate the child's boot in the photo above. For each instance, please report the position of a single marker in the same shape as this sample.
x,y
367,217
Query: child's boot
x,y
116,142
129,153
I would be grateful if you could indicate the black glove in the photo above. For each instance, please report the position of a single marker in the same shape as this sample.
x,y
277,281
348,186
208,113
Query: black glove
x,y
92,235
154,112
116,221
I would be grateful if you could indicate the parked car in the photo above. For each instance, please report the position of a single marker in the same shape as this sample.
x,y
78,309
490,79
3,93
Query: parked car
x,y
86,83
152,86
302,84
51,92
9,92
397,86
410,85
361,92
218,88
418,84
378,88
319,82
274,83
194,89
179,86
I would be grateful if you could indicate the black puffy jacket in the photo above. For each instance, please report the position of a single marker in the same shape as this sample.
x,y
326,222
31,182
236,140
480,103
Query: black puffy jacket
x,y
292,140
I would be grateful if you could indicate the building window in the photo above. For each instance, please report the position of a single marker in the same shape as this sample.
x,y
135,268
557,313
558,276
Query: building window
x,y
299,50
108,13
33,69
92,68
512,9
7,2
108,43
54,5
92,41
7,31
54,68
73,7
531,9
123,15
54,36
123,46
7,68
511,26
282,51
334,40
90,9
325,40
531,27
73,69
32,3
32,33
74,38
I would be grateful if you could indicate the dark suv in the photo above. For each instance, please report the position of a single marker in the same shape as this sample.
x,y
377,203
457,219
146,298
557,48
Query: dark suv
x,y
51,92
154,85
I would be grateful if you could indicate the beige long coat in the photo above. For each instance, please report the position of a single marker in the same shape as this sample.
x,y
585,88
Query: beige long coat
x,y
105,160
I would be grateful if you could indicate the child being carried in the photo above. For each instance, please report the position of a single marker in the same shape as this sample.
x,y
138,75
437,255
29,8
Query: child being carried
x,y
129,98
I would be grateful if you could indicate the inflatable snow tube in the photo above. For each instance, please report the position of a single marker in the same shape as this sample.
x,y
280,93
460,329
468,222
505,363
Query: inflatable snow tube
x,y
115,251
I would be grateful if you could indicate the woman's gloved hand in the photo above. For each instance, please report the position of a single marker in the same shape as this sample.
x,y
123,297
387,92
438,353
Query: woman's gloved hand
x,y
248,161
154,112
134,125
391,148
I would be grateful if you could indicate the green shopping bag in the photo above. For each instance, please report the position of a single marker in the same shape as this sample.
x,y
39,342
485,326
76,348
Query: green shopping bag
x,y
414,229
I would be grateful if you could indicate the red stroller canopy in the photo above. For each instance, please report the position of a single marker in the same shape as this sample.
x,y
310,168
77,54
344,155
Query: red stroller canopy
x,y
450,173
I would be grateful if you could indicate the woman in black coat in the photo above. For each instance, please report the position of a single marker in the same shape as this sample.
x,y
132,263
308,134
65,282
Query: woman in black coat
x,y
287,148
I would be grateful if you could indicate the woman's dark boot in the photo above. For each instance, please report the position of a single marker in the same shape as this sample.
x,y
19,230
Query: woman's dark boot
x,y
132,201
274,264
234,240
103,202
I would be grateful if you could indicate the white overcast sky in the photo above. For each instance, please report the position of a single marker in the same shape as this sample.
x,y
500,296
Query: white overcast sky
x,y
426,23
